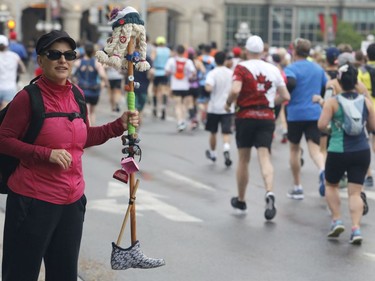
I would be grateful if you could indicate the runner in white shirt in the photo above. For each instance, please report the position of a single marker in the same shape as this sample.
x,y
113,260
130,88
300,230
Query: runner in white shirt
x,y
10,63
218,84
180,69
115,79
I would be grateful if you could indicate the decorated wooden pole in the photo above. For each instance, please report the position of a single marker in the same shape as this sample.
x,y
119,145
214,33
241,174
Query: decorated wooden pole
x,y
131,134
126,49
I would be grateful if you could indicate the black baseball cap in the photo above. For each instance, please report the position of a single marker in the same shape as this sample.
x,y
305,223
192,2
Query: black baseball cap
x,y
48,39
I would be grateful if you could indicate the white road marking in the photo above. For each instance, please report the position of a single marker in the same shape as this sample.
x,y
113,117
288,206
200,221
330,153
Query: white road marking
x,y
369,194
146,201
370,255
109,206
186,180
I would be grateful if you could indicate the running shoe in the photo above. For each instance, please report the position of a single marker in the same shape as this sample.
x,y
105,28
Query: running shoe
x,y
365,205
284,138
194,124
238,205
116,108
227,162
296,194
270,211
162,117
337,227
209,156
356,237
343,181
181,126
322,186
369,182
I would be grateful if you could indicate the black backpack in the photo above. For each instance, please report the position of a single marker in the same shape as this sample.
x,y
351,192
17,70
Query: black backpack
x,y
8,164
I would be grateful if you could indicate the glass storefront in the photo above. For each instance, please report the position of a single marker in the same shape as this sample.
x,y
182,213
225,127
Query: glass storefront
x,y
279,25
362,19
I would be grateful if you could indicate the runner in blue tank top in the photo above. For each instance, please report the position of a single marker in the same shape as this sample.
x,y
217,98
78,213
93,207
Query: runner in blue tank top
x,y
161,88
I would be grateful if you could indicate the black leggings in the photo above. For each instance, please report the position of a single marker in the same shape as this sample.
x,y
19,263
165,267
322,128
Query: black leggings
x,y
35,230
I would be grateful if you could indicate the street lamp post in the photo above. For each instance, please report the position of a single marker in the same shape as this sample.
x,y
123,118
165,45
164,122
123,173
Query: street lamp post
x,y
4,17
243,32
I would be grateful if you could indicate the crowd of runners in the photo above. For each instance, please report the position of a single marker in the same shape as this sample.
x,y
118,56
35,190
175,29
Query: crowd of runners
x,y
247,92
245,95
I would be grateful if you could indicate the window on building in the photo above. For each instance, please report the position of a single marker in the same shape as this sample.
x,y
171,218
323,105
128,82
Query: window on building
x,y
254,15
308,26
362,20
282,26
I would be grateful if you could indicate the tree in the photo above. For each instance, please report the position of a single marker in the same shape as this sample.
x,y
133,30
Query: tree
x,y
346,34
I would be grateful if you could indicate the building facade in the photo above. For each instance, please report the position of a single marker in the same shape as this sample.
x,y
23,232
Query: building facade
x,y
226,22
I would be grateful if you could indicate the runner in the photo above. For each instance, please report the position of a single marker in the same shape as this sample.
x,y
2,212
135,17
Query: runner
x,y
160,56
305,79
87,73
333,88
10,62
237,56
141,92
254,87
277,59
181,69
366,74
332,54
115,79
194,83
346,153
218,84
209,64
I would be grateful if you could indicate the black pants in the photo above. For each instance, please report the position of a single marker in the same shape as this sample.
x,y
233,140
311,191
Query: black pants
x,y
35,230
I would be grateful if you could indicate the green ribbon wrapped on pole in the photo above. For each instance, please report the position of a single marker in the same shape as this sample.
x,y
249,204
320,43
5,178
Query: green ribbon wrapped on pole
x,y
131,107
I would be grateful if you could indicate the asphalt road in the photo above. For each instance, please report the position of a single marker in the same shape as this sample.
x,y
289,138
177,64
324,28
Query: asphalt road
x,y
184,216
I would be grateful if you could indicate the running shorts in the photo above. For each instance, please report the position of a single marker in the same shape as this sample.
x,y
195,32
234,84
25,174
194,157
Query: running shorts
x,y
213,121
355,164
181,93
161,80
254,132
115,84
308,128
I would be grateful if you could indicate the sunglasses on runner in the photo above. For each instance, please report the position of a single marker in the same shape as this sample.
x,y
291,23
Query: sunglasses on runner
x,y
56,55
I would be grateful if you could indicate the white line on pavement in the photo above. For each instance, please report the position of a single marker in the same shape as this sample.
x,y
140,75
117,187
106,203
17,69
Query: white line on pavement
x,y
369,194
370,255
146,201
188,181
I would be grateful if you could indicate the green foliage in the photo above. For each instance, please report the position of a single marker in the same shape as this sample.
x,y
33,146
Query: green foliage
x,y
346,34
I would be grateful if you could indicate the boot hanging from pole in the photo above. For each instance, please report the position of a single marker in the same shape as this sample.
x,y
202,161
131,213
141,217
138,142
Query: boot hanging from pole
x,y
132,257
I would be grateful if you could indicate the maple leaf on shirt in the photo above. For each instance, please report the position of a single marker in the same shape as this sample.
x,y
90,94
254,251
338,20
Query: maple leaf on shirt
x,y
263,85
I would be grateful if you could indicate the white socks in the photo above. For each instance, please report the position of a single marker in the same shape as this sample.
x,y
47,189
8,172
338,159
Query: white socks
x,y
226,147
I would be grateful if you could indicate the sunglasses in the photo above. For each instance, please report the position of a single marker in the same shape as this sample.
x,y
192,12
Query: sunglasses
x,y
56,55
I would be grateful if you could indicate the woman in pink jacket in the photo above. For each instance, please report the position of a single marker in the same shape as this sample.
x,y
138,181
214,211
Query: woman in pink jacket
x,y
46,202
